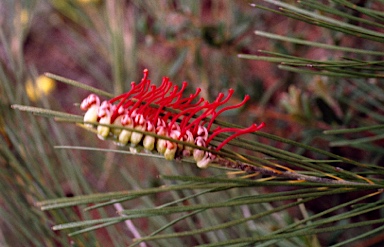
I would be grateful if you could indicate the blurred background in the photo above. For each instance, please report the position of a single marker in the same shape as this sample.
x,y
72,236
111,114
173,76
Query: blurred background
x,y
107,44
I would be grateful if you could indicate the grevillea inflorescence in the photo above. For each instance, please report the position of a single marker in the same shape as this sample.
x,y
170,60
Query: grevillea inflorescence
x,y
146,107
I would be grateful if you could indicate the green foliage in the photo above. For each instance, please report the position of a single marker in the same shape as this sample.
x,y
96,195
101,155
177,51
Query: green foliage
x,y
313,177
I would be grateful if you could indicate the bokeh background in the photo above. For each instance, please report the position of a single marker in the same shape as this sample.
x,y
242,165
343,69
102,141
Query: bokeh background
x,y
107,44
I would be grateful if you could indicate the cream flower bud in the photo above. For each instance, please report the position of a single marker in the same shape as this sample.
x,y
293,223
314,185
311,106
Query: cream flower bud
x,y
125,135
104,113
188,137
91,115
149,141
92,99
136,136
198,154
120,113
103,131
175,134
90,104
202,158
204,163
116,131
140,123
187,150
170,150
161,144
202,132
208,158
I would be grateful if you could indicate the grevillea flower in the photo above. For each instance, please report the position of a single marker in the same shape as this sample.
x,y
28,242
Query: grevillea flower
x,y
163,111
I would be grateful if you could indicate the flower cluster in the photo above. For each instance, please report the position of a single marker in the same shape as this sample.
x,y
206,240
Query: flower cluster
x,y
146,107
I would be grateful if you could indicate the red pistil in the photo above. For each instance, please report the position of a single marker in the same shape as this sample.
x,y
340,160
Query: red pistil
x,y
187,101
246,98
186,118
238,132
210,110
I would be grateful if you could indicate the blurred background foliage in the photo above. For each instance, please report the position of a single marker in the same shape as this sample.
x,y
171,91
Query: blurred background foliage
x,y
107,44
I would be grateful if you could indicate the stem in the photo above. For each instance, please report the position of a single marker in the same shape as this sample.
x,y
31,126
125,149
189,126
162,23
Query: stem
x,y
275,173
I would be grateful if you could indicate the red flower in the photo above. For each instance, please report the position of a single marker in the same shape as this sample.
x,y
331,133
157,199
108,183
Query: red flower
x,y
164,111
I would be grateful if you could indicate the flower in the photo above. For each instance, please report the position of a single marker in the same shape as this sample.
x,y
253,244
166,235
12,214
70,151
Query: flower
x,y
163,111
90,104
104,114
125,135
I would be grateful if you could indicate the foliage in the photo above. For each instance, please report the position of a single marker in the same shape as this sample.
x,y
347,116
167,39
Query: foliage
x,y
312,177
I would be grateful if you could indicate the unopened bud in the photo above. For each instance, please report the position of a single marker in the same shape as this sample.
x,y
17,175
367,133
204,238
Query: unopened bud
x,y
103,131
91,115
170,150
136,136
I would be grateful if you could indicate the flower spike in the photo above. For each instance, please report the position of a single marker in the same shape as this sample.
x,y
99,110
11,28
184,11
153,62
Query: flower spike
x,y
145,108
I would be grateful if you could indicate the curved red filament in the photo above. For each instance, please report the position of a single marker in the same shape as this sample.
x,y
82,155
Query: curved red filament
x,y
238,132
